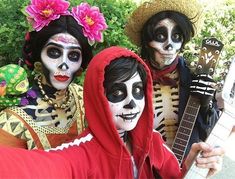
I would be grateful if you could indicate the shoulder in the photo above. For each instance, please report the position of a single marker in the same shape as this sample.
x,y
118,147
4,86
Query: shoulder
x,y
157,138
183,63
76,89
76,86
159,144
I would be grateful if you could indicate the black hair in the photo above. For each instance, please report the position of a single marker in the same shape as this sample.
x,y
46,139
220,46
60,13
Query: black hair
x,y
65,24
147,35
122,69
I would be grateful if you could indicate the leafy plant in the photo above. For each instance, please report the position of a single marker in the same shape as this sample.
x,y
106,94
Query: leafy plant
x,y
12,29
116,13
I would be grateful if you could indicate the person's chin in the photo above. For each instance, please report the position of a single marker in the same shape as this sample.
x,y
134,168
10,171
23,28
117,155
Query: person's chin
x,y
169,59
129,127
61,85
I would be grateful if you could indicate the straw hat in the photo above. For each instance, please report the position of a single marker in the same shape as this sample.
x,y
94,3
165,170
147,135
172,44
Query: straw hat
x,y
191,8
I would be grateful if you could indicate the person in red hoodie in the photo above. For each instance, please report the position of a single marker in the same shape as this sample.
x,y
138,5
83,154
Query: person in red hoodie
x,y
119,141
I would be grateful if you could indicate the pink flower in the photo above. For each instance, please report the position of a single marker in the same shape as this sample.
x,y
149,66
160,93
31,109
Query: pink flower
x,y
92,20
42,12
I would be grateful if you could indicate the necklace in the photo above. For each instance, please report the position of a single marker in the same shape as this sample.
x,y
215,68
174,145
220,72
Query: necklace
x,y
49,100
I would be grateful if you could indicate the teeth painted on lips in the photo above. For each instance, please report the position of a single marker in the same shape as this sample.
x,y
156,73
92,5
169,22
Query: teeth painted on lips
x,y
58,73
130,116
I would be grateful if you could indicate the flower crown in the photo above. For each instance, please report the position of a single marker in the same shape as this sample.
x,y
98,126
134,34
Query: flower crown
x,y
42,12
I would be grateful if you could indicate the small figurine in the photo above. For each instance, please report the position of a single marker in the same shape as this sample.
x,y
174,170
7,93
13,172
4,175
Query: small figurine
x,y
14,86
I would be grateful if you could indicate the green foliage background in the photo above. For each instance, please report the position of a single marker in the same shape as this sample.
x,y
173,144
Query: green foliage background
x,y
219,23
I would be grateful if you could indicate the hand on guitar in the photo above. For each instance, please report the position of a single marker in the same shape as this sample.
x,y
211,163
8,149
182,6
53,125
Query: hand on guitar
x,y
209,157
203,86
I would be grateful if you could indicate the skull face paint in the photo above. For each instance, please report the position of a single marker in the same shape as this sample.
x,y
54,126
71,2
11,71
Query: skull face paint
x,y
167,43
62,57
126,101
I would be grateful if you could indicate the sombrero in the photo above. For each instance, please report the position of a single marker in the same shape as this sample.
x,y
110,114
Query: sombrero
x,y
191,8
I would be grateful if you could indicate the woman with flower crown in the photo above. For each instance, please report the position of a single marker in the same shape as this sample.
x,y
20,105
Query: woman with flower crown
x,y
58,48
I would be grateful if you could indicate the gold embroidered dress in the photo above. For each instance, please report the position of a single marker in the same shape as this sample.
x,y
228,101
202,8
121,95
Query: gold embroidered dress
x,y
41,125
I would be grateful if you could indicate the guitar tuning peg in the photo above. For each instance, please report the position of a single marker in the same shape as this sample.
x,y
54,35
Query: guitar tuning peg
x,y
214,60
227,63
211,70
217,52
223,74
193,64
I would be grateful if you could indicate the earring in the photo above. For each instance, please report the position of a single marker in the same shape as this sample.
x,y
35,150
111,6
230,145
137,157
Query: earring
x,y
37,67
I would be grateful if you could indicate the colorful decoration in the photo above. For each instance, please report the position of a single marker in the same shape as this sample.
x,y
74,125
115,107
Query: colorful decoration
x,y
13,84
92,20
42,12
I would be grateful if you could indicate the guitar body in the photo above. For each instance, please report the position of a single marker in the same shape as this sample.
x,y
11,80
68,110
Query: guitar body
x,y
209,54
225,124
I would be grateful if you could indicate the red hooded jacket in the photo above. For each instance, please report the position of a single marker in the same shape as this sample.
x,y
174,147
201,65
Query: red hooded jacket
x,y
99,152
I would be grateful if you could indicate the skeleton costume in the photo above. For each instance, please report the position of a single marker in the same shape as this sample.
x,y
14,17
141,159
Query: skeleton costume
x,y
99,152
161,28
56,51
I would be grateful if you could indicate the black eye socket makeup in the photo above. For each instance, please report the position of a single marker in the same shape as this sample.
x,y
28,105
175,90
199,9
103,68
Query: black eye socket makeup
x,y
118,92
138,90
177,35
160,34
74,56
53,52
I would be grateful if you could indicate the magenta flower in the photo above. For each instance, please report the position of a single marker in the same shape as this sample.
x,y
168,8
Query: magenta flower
x,y
92,20
42,12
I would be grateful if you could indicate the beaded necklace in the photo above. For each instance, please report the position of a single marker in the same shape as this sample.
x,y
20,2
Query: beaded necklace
x,y
49,100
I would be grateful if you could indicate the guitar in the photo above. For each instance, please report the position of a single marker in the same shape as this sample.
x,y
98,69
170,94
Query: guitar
x,y
209,55
225,124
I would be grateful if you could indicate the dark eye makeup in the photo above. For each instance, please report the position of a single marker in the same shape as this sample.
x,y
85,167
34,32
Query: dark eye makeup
x,y
54,52
161,34
137,90
118,92
177,35
74,56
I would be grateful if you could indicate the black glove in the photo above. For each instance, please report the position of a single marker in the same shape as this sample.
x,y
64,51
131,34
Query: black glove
x,y
203,86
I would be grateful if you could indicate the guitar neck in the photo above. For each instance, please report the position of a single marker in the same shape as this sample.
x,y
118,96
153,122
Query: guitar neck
x,y
209,54
217,137
185,128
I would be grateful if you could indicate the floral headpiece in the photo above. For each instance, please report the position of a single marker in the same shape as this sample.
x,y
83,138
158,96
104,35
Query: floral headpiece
x,y
42,12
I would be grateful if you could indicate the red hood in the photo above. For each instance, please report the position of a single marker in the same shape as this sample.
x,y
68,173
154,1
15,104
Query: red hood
x,y
97,110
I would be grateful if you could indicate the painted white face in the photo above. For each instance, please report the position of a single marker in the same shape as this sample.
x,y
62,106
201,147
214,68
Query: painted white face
x,y
167,43
126,100
62,57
